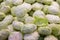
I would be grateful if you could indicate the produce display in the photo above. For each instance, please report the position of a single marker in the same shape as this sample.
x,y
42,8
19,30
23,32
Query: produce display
x,y
29,19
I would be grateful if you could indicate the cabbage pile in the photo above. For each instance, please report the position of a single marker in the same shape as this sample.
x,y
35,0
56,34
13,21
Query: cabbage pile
x,y
29,19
